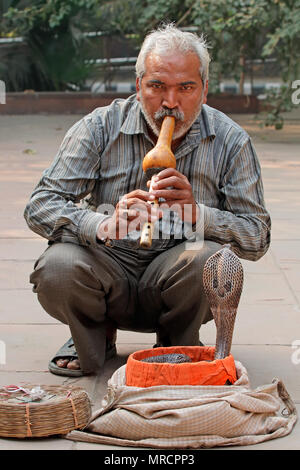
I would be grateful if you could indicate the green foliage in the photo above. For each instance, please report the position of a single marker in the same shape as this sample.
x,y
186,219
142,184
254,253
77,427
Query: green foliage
x,y
160,11
238,32
283,43
251,29
234,28
53,33
118,17
278,101
283,39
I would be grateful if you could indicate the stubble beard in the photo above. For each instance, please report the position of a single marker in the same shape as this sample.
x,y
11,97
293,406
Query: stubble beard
x,y
155,122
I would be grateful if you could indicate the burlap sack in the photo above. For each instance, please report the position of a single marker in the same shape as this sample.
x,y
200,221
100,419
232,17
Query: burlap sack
x,y
178,417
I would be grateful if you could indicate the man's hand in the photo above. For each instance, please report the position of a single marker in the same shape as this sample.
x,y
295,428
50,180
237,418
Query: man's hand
x,y
177,191
131,212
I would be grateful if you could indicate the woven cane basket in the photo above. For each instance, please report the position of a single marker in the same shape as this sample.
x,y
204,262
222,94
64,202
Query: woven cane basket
x,y
63,409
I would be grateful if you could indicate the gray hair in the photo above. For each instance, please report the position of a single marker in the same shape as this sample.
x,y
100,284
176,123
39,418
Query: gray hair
x,y
169,38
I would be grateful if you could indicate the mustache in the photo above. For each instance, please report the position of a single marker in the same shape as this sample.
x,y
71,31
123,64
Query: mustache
x,y
163,112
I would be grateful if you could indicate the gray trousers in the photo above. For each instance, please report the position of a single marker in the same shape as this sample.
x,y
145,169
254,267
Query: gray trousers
x,y
133,289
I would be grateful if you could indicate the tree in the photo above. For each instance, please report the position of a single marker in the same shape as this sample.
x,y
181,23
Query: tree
x,y
235,29
53,34
283,43
238,32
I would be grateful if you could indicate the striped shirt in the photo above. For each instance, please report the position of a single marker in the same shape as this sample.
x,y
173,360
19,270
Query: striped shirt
x,y
100,160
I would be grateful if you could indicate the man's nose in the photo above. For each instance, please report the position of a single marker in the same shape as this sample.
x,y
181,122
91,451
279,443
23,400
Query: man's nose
x,y
170,99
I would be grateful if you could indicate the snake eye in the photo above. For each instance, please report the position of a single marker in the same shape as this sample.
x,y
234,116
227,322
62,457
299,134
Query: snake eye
x,y
227,286
215,283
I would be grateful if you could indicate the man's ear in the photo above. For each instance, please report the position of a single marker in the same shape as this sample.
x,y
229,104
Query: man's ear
x,y
137,85
205,91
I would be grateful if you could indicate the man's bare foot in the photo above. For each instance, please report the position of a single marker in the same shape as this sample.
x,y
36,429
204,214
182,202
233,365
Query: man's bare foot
x,y
73,364
69,358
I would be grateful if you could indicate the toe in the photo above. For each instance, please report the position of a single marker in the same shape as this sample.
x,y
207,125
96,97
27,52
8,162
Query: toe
x,y
75,365
62,362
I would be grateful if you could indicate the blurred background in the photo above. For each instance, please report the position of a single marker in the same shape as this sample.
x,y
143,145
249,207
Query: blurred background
x,y
91,46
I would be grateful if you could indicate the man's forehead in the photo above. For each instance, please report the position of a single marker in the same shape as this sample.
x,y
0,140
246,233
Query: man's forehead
x,y
161,82
185,66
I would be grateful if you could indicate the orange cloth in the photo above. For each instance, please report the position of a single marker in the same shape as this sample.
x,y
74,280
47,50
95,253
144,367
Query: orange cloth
x,y
197,372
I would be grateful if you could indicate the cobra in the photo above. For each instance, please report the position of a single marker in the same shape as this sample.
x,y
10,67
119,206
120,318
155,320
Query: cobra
x,y
223,278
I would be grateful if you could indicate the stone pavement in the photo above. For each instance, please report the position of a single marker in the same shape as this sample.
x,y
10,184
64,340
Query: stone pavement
x,y
268,320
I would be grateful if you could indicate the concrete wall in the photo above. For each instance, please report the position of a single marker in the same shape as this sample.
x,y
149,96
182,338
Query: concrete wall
x,y
85,102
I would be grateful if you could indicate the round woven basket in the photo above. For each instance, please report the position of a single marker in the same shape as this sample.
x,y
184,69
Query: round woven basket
x,y
63,409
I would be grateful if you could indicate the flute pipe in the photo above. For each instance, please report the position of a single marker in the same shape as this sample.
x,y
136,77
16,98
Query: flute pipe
x,y
159,158
148,229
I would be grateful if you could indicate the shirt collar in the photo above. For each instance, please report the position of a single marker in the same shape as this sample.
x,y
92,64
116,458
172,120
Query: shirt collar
x,y
201,129
134,122
203,126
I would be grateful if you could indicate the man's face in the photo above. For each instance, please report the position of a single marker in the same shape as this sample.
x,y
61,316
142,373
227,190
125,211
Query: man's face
x,y
171,84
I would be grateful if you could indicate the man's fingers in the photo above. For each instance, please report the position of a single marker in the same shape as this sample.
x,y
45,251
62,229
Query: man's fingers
x,y
128,213
138,213
137,194
172,194
135,203
167,172
186,210
171,181
134,206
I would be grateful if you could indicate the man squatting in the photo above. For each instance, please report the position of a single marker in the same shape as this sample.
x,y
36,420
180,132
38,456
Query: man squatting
x,y
94,276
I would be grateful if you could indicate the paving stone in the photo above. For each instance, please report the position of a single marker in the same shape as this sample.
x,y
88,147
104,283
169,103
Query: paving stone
x,y
22,307
135,337
287,253
31,377
14,226
30,347
15,274
288,259
283,204
285,229
47,443
260,324
292,275
264,363
270,289
265,265
20,249
20,181
279,179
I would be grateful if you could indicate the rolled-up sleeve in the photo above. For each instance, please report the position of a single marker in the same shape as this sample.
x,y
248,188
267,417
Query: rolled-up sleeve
x,y
53,211
243,220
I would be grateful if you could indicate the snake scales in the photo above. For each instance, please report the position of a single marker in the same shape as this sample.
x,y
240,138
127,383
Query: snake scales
x,y
223,278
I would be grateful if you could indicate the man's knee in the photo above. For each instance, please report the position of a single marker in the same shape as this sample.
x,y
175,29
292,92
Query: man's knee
x,y
201,255
178,265
57,268
194,260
